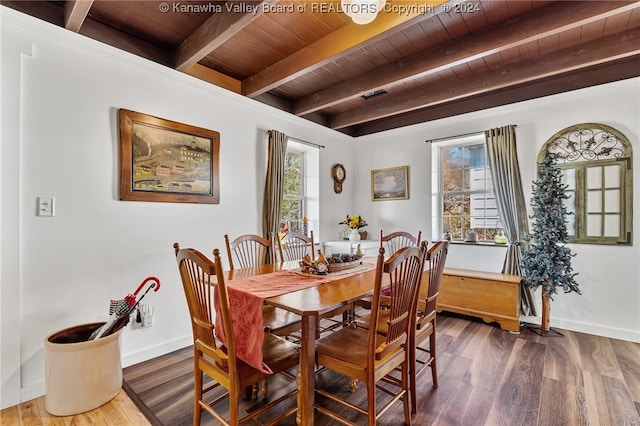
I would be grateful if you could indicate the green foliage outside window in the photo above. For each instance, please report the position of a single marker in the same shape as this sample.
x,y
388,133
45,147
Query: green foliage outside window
x,y
293,188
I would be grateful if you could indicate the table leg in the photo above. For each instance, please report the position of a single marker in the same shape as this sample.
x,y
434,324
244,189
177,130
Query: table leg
x,y
306,385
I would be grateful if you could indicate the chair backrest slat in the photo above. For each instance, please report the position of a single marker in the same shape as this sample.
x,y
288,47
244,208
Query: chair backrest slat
x,y
250,250
396,240
204,286
295,246
436,257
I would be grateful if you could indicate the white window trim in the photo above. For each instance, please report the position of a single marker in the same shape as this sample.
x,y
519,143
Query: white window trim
x,y
437,230
311,182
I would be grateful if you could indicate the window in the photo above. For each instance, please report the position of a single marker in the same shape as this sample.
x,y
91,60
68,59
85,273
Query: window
x,y
596,167
463,190
301,188
293,203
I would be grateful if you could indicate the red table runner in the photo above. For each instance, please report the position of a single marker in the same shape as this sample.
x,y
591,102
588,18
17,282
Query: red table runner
x,y
247,296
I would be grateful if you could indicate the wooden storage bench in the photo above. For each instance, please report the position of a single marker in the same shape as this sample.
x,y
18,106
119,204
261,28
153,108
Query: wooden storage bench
x,y
494,297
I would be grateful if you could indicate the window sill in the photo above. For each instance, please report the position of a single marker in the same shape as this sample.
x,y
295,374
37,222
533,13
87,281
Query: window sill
x,y
479,243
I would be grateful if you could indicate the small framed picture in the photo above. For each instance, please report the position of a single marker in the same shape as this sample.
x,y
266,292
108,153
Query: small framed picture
x,y
166,161
390,184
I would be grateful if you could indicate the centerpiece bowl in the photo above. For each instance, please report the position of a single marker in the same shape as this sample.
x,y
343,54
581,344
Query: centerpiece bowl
x,y
340,262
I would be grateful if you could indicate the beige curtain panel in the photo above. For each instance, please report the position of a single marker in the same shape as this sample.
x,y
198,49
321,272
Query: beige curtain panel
x,y
507,185
273,190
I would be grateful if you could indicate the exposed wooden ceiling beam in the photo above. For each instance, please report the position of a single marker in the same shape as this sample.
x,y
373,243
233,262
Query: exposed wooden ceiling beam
x,y
541,23
579,79
598,51
340,42
75,12
214,77
216,30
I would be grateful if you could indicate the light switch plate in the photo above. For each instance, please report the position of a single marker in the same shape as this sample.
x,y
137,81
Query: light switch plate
x,y
45,206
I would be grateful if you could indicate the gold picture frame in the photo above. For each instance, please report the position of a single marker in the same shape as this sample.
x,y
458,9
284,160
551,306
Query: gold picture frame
x,y
166,161
390,184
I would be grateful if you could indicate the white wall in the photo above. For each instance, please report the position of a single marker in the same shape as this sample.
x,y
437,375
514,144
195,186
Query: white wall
x,y
609,276
60,96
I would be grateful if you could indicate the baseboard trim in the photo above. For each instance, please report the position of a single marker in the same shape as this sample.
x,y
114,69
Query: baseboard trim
x,y
145,354
581,327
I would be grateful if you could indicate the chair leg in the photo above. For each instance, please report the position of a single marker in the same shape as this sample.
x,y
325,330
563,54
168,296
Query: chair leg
x,y
197,396
371,401
299,399
432,354
406,387
234,395
413,373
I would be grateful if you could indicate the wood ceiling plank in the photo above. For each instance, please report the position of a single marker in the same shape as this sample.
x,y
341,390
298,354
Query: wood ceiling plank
x,y
119,40
418,38
498,11
588,54
634,21
541,23
592,31
615,23
44,10
478,20
340,42
216,30
75,12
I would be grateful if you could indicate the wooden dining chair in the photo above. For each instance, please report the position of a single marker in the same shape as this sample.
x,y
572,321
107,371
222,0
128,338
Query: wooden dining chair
x,y
250,250
426,319
365,355
295,246
425,325
203,281
396,240
391,243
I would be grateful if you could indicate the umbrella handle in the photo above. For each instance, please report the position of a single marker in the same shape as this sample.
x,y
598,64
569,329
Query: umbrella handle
x,y
143,294
155,286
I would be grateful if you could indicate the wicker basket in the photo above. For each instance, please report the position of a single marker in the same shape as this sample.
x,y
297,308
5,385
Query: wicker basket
x,y
335,267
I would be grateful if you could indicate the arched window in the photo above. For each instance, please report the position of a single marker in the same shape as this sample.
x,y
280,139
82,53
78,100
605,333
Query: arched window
x,y
596,164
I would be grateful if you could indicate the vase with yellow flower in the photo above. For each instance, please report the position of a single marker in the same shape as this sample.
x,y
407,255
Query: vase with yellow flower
x,y
354,224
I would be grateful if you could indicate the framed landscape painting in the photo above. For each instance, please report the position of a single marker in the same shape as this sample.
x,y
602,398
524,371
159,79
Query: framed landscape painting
x,y
166,161
390,184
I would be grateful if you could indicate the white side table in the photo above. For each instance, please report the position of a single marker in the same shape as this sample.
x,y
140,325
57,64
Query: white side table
x,y
368,247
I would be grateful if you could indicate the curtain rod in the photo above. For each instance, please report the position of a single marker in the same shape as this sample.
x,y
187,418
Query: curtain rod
x,y
446,138
302,141
306,142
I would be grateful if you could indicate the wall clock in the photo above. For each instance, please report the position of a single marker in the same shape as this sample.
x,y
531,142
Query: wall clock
x,y
339,174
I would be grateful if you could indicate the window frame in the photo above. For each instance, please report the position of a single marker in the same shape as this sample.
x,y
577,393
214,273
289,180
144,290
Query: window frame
x,y
438,192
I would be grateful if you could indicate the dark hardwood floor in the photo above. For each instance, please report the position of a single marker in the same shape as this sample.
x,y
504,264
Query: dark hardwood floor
x,y
487,376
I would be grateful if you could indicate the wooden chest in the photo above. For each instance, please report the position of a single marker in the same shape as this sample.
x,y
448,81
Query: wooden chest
x,y
494,297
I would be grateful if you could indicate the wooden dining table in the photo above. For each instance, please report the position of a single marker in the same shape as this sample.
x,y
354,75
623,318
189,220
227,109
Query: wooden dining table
x,y
310,304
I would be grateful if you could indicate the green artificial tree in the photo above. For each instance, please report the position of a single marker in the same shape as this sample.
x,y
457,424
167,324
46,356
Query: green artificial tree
x,y
546,262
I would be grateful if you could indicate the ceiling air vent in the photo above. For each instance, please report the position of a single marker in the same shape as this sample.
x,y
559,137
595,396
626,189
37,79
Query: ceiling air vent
x,y
373,94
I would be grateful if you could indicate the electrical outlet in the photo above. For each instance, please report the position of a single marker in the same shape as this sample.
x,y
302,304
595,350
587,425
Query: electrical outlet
x,y
147,314
45,206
